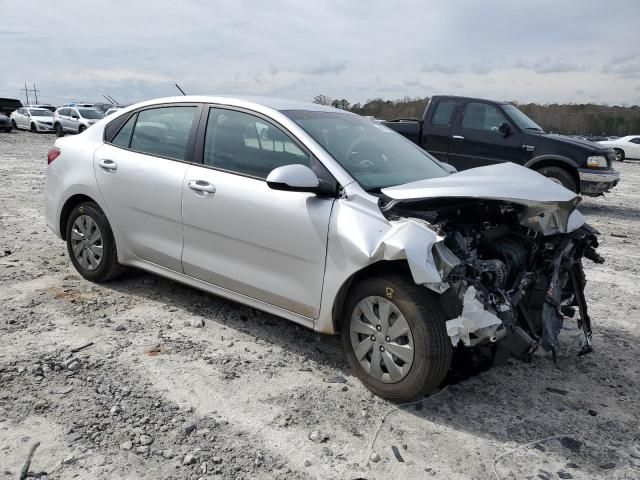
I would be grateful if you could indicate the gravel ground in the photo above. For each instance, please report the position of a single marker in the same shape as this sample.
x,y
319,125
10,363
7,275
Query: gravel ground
x,y
180,384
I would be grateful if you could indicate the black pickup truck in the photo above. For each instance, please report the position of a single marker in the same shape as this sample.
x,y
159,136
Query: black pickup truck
x,y
470,132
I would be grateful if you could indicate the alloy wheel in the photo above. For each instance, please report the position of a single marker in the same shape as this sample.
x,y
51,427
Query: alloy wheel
x,y
381,339
86,242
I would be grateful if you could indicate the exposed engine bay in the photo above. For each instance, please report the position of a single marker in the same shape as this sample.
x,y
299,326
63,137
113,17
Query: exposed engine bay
x,y
509,285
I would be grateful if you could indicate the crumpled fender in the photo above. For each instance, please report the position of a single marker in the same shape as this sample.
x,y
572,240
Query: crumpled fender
x,y
410,239
359,236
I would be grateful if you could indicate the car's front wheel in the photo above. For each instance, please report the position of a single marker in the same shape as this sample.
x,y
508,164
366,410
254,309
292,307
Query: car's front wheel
x,y
59,131
33,128
81,128
90,243
619,154
395,339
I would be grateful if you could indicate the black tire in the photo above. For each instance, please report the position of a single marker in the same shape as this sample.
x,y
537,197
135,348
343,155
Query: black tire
x,y
14,124
432,346
108,268
561,176
59,131
81,128
8,129
619,154
33,128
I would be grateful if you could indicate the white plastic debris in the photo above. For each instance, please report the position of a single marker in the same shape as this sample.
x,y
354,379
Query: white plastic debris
x,y
474,319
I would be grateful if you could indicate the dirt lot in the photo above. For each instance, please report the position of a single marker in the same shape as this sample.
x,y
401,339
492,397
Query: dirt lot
x,y
181,384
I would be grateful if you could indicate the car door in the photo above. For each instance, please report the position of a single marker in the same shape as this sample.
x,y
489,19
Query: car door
x,y
23,118
243,236
437,132
476,140
140,173
634,147
74,120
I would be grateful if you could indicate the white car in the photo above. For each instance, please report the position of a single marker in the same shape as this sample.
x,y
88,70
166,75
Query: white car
x,y
34,119
625,147
329,220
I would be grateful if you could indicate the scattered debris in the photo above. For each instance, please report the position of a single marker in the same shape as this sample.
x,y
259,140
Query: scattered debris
x,y
81,347
335,379
396,453
24,473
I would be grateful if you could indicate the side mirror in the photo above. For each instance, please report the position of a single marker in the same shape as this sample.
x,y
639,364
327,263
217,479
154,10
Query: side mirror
x,y
293,178
504,129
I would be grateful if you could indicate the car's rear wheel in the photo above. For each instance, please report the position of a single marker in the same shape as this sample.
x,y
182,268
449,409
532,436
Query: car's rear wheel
x,y
560,176
619,154
14,124
395,339
8,129
59,131
90,243
33,128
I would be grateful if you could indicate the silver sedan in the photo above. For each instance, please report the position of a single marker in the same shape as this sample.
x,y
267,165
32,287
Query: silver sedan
x,y
332,221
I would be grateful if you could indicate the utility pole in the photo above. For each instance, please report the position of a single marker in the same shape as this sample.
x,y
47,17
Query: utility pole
x,y
26,92
35,92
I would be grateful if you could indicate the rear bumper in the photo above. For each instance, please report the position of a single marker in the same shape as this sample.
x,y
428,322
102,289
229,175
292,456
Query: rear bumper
x,y
594,182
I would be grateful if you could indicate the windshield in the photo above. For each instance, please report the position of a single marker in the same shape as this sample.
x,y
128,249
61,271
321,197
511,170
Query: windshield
x,y
90,114
374,155
40,112
524,122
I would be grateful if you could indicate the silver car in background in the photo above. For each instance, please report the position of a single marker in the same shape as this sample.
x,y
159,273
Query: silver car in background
x,y
75,119
332,221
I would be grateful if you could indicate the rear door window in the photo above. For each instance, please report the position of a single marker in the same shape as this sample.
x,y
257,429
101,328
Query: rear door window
x,y
443,113
163,131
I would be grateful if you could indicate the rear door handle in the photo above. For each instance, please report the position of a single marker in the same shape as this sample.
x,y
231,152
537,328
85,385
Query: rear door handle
x,y
458,137
108,164
202,186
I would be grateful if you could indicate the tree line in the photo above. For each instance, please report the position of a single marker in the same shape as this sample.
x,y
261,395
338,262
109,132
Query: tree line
x,y
568,119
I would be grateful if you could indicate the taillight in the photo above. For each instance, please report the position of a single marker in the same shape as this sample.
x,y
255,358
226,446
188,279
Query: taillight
x,y
52,155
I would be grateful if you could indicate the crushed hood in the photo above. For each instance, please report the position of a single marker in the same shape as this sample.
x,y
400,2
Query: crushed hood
x,y
550,208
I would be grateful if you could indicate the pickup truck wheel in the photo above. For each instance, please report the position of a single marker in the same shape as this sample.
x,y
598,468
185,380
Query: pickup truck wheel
x,y
560,176
395,339
619,154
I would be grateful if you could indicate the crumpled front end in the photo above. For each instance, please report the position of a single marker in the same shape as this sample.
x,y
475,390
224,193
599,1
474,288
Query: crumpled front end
x,y
512,272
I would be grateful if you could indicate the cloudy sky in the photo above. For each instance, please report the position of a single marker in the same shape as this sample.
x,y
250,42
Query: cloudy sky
x,y
534,50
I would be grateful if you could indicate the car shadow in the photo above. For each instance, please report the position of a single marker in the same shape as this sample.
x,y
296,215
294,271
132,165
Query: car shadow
x,y
587,399
606,210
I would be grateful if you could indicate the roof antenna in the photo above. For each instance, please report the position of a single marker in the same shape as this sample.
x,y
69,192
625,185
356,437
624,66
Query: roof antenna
x,y
115,102
181,91
108,100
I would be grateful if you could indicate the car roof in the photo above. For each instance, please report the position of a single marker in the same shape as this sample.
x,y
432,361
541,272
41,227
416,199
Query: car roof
x,y
279,104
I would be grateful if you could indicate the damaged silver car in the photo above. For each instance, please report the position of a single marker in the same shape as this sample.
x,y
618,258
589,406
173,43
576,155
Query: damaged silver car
x,y
332,221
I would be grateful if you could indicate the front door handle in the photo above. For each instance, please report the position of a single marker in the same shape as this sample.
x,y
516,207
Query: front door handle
x,y
202,186
108,164
458,137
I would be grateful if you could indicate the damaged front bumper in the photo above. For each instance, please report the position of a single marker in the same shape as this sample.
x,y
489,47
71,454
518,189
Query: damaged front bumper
x,y
530,310
593,183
